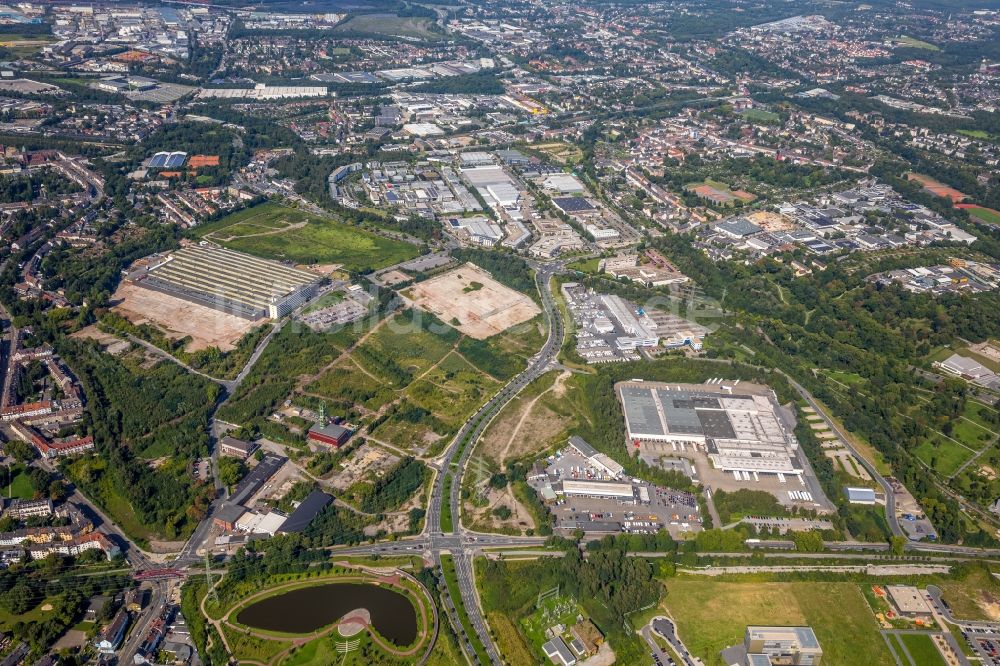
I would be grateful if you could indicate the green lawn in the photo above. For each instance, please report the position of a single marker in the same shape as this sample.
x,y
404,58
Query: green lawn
x,y
971,434
942,454
273,231
714,615
761,116
326,300
922,650
976,411
985,214
847,378
36,614
418,27
586,265
20,486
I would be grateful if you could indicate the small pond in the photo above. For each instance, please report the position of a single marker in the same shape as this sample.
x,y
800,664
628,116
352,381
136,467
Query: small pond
x,y
308,609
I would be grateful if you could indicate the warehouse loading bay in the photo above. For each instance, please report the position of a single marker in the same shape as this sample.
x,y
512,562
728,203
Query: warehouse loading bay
x,y
671,509
802,491
737,436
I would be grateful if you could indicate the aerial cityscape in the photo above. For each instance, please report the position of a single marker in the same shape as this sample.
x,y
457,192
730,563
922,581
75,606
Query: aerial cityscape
x,y
507,332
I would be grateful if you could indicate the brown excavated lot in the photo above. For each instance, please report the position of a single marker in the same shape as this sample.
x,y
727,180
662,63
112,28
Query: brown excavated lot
x,y
470,296
179,318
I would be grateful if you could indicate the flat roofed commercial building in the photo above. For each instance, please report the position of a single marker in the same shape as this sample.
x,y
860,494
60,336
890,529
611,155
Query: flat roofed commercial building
x,y
233,282
738,426
908,600
310,507
785,646
607,489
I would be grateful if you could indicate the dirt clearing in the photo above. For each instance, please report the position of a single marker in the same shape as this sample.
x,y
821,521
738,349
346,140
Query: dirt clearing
x,y
469,299
530,427
179,318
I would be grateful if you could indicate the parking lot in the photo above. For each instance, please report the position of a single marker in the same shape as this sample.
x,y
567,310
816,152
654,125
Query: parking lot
x,y
985,645
666,508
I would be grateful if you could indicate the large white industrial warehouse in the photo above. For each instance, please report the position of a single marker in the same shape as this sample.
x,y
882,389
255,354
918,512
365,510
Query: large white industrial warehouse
x,y
737,425
229,281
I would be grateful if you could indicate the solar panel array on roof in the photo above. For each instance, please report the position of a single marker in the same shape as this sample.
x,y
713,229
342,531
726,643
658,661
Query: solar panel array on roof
x,y
715,424
640,411
679,413
165,160
573,204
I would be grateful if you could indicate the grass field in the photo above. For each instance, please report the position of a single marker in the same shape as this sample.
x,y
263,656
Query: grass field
x,y
417,27
326,300
585,266
36,614
19,487
987,215
24,45
452,390
914,43
761,116
921,649
273,231
979,134
942,454
561,152
975,411
713,615
974,597
345,383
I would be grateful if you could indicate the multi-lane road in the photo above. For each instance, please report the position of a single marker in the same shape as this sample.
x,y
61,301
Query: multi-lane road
x,y
461,543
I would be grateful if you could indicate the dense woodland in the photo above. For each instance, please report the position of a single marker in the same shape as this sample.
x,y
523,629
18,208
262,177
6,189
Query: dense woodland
x,y
608,584
135,412
835,319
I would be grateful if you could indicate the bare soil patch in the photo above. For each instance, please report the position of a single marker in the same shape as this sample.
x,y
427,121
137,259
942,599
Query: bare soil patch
x,y
469,299
179,318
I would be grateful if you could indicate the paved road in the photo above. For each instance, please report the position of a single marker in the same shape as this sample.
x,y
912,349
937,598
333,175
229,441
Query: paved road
x,y
455,458
890,499
665,629
157,602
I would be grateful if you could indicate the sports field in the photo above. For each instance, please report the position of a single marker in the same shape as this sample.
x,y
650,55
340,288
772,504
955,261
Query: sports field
x,y
273,231
936,188
987,215
921,649
761,116
417,27
713,615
